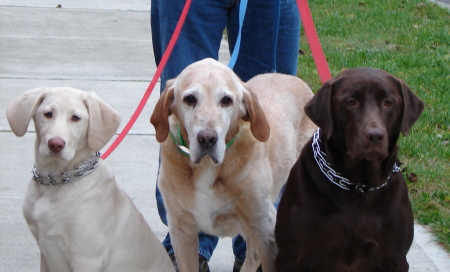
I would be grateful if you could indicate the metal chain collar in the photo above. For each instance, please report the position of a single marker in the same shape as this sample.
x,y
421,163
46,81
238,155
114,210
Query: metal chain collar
x,y
86,168
336,177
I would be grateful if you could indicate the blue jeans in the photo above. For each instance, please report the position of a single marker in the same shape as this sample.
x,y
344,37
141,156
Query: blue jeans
x,y
270,43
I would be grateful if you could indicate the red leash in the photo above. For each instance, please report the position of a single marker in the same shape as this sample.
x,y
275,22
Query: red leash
x,y
150,88
313,40
311,35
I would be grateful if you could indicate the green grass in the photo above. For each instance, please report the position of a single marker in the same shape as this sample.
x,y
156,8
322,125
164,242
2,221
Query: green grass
x,y
411,40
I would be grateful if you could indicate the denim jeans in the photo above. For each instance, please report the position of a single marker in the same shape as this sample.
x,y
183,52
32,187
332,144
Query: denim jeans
x,y
270,43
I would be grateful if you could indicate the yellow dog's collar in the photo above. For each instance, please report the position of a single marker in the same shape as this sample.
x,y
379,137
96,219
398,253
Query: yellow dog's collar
x,y
183,148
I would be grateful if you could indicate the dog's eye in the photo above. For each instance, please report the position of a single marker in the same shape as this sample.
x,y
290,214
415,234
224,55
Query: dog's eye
x,y
75,118
48,114
226,101
351,103
190,100
388,103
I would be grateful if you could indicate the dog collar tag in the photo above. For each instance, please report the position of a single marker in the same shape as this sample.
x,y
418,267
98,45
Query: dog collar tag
x,y
182,144
184,150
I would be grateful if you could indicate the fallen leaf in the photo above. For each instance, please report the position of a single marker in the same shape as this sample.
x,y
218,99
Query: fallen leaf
x,y
413,177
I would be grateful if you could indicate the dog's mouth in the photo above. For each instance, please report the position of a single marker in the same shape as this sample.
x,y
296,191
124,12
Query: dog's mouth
x,y
370,146
373,154
207,153
47,153
207,144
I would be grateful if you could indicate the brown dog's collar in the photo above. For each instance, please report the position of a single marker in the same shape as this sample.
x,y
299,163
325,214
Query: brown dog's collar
x,y
86,168
335,177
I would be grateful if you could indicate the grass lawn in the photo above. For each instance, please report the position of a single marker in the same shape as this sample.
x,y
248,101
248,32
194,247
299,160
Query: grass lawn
x,y
411,40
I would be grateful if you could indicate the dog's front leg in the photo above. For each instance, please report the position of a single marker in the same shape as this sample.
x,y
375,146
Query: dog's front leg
x,y
399,264
261,241
251,262
44,267
87,263
185,244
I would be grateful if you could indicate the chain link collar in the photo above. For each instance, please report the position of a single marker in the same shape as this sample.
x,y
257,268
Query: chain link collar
x,y
84,169
336,177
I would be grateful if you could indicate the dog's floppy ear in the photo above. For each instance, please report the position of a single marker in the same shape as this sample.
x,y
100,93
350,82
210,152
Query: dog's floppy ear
x,y
22,109
412,107
103,121
319,108
255,115
161,113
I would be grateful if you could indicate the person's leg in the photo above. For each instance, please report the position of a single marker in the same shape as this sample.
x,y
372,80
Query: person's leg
x,y
270,38
239,248
155,27
288,38
200,38
256,54
270,43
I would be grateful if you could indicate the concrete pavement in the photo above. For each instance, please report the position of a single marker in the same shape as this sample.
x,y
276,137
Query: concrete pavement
x,y
442,3
102,46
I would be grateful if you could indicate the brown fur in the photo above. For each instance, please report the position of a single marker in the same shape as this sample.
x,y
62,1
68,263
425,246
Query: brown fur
x,y
322,227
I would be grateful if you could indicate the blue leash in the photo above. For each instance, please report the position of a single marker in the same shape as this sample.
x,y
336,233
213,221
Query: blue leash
x,y
234,56
242,10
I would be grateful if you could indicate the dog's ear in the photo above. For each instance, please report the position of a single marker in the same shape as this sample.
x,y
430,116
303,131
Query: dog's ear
x,y
319,108
103,121
161,113
22,109
255,115
412,107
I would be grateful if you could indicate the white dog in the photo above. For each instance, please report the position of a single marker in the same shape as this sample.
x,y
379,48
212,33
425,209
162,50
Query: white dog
x,y
230,150
79,216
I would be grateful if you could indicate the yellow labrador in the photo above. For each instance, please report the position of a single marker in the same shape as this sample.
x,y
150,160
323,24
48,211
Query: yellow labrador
x,y
81,219
230,150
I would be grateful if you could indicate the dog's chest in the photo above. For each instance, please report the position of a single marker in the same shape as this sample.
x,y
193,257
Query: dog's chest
x,y
214,211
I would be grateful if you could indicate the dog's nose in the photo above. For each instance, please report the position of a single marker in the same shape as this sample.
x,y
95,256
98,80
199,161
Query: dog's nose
x,y
56,144
374,135
207,139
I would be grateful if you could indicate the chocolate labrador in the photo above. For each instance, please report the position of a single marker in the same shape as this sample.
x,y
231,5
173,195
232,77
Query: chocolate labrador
x,y
346,205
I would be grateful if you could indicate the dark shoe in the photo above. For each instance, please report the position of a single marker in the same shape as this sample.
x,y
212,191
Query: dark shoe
x,y
203,263
174,262
237,266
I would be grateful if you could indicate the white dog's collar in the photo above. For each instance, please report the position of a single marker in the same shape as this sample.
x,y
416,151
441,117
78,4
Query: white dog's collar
x,y
84,169
336,177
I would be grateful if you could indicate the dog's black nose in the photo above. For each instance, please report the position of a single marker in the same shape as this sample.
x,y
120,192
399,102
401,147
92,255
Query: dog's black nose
x,y
207,139
56,144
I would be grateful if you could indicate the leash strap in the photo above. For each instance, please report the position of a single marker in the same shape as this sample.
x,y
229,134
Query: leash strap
x,y
237,46
156,76
308,24
313,40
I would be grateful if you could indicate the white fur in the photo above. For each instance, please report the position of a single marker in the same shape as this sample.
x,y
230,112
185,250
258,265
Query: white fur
x,y
89,224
